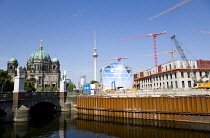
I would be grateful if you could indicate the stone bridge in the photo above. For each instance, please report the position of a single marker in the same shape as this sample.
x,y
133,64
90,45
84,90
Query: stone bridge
x,y
22,106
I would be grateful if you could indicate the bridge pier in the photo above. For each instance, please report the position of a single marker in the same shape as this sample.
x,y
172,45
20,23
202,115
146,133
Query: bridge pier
x,y
19,110
65,104
21,114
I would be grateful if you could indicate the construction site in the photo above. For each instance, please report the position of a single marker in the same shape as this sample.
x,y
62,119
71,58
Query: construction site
x,y
176,78
181,76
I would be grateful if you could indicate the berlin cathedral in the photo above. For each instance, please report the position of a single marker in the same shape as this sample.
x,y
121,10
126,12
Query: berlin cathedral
x,y
40,69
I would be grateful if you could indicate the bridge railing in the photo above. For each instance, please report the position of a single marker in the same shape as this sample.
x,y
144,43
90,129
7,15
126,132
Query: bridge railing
x,y
42,94
9,96
6,96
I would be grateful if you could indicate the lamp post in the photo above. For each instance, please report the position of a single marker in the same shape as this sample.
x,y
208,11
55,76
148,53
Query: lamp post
x,y
72,75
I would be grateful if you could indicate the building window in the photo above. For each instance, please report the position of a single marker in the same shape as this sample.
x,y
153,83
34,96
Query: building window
x,y
189,84
54,67
182,74
194,73
40,80
171,84
176,84
175,75
188,74
200,74
183,86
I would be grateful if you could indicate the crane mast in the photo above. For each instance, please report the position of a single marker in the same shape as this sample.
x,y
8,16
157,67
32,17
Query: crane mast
x,y
184,58
154,35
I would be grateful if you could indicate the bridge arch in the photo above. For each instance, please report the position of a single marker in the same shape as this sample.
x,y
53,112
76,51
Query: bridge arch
x,y
42,110
3,116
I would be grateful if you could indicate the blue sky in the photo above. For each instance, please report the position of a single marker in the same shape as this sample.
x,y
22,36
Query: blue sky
x,y
67,30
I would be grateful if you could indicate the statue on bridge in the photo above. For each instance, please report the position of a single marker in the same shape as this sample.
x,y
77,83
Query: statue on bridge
x,y
19,70
63,76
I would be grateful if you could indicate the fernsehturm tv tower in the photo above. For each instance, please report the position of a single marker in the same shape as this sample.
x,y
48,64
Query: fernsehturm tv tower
x,y
95,55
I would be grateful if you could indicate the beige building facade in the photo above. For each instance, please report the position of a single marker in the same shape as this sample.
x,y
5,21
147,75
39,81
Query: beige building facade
x,y
172,75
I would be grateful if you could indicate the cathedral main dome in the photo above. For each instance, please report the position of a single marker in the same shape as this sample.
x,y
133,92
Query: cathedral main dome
x,y
40,55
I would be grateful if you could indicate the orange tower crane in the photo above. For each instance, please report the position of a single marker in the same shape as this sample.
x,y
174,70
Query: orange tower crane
x,y
154,35
170,52
118,59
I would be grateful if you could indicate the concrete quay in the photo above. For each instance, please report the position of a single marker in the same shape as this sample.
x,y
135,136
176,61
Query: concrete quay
x,y
158,93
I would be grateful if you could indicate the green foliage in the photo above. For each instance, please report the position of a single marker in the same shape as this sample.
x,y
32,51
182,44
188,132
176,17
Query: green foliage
x,y
6,81
51,89
70,86
29,86
48,89
55,89
93,82
41,89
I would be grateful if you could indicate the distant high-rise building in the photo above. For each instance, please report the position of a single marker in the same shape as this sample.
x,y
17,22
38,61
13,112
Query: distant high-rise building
x,y
82,81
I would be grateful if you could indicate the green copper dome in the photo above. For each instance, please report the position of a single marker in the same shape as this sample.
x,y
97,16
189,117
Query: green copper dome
x,y
40,55
13,60
55,60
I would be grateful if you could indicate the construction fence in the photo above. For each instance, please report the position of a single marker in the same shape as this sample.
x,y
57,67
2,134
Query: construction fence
x,y
190,109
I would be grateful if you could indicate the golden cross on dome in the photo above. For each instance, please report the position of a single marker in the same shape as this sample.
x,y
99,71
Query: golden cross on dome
x,y
40,46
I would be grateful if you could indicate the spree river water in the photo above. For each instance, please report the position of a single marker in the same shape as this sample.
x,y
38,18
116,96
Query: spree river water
x,y
69,125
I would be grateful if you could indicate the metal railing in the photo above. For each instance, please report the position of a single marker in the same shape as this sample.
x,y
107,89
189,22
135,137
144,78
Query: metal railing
x,y
42,94
6,96
36,95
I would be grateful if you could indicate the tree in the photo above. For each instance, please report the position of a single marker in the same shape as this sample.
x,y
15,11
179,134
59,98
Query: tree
x,y
70,86
93,82
29,86
41,89
55,89
6,83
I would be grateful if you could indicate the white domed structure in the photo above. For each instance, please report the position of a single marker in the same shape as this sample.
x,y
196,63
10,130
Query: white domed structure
x,y
117,73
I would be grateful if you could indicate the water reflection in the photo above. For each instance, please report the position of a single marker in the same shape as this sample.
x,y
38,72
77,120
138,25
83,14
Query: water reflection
x,y
65,125
135,128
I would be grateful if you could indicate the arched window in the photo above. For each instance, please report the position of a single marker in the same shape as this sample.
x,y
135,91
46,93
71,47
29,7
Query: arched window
x,y
54,67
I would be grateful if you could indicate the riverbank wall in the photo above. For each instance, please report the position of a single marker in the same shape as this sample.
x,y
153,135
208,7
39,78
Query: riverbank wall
x,y
189,109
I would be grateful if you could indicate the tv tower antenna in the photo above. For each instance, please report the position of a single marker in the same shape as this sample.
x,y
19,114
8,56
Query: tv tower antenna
x,y
95,55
